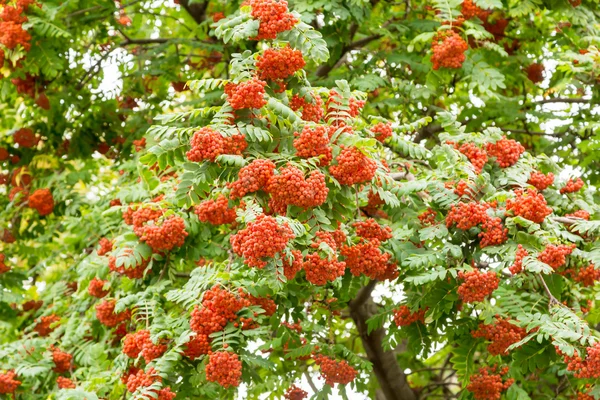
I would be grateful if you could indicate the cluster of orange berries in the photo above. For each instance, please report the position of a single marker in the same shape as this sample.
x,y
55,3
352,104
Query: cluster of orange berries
x,y
197,346
370,229
215,212
311,111
3,267
63,362
252,178
506,151
404,317
106,246
313,142
470,10
249,94
382,131
65,383
487,383
208,144
501,333
587,368
587,276
535,72
289,187
295,393
96,288
263,237
572,186
427,217
225,368
555,256
335,371
353,167
448,50
140,379
139,342
42,201
321,270
163,236
467,215
291,268
8,383
274,17
579,214
518,264
477,285
43,327
492,233
335,100
219,306
541,181
530,205
12,19
478,157
105,312
277,64
25,137
32,305
368,259
133,272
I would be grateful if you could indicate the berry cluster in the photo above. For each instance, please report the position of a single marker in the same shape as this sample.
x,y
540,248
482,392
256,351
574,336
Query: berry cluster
x,y
279,63
106,246
43,327
335,371
470,10
370,229
506,151
25,137
530,205
501,333
263,237
215,212
478,157
219,306
312,111
535,72
587,276
467,215
366,258
404,317
541,181
8,383
105,312
198,345
12,19
382,131
295,393
320,270
290,188
448,50
579,214
427,217
252,178
518,264
163,236
63,362
477,285
572,186
555,256
225,368
273,16
588,368
42,201
32,305
3,267
486,384
353,167
249,94
138,343
493,232
207,144
291,268
65,383
96,288
133,272
139,379
314,142
138,217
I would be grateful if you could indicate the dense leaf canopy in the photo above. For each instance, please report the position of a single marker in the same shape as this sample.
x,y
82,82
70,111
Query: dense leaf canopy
x,y
370,199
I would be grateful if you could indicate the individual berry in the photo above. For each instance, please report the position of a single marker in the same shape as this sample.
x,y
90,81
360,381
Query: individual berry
x,y
295,393
477,285
535,72
215,212
335,371
249,94
25,137
501,333
198,346
314,142
506,151
572,186
370,229
279,63
448,50
311,111
96,288
353,167
133,271
555,256
106,246
65,383
274,17
478,157
46,325
486,384
289,187
262,238
225,368
530,205
8,383
541,181
579,214
63,362
518,264
404,317
105,312
252,178
493,233
42,201
382,131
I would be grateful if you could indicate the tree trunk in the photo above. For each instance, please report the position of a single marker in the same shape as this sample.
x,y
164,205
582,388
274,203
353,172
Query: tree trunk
x,y
392,380
196,10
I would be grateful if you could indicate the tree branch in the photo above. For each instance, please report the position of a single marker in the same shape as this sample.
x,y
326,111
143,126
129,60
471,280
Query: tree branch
x,y
562,100
196,10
